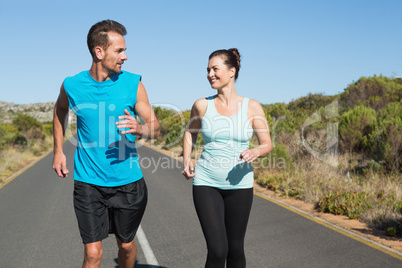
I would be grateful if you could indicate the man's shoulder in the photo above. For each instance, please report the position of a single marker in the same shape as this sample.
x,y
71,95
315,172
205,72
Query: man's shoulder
x,y
78,76
129,75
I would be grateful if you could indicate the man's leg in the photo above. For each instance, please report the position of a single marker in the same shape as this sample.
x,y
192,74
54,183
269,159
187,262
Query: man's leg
x,y
93,221
127,254
129,205
93,255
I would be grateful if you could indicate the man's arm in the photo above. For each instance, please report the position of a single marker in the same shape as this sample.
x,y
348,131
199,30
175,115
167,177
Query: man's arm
x,y
60,121
148,130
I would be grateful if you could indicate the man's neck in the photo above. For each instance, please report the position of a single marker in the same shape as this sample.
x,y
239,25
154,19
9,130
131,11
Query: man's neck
x,y
98,73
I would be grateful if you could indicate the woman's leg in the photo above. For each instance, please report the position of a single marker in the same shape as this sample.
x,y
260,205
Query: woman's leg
x,y
209,205
237,211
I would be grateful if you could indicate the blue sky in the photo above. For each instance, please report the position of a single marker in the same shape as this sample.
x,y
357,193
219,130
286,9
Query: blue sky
x,y
288,48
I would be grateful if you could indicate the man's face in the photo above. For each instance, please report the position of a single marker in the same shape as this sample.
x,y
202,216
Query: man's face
x,y
115,55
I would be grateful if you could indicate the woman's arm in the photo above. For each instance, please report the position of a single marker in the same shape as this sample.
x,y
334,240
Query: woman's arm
x,y
190,136
260,126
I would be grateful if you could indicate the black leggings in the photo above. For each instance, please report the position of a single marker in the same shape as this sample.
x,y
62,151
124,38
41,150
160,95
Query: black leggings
x,y
223,215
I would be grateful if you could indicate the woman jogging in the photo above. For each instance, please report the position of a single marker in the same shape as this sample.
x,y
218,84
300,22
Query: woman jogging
x,y
223,176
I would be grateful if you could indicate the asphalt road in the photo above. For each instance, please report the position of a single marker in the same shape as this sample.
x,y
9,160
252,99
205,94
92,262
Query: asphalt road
x,y
38,226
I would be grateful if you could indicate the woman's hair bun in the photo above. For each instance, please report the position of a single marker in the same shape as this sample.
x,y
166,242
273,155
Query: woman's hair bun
x,y
235,51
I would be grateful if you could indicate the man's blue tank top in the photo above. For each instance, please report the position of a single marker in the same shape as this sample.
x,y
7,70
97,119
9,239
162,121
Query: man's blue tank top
x,y
104,156
225,138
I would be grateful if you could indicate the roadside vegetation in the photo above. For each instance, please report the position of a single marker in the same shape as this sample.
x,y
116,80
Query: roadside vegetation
x,y
341,153
22,140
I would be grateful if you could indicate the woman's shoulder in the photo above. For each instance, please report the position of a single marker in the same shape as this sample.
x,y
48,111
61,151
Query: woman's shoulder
x,y
254,107
253,104
200,106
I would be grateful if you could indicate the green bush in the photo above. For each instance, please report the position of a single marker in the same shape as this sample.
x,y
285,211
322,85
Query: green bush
x,y
3,135
375,92
48,129
275,110
311,103
29,126
174,136
398,207
284,118
162,113
164,117
392,231
385,142
272,183
9,135
344,203
279,158
355,126
24,122
167,120
19,140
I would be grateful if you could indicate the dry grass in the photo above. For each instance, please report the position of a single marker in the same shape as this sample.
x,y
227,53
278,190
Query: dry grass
x,y
311,180
14,158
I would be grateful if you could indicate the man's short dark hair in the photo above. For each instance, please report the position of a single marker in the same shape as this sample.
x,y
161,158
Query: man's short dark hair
x,y
98,34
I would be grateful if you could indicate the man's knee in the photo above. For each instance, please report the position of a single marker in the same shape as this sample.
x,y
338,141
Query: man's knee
x,y
127,247
93,252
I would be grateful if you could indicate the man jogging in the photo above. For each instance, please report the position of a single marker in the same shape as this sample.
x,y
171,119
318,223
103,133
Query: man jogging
x,y
110,193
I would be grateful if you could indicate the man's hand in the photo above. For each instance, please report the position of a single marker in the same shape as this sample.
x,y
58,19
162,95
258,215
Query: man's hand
x,y
129,122
60,165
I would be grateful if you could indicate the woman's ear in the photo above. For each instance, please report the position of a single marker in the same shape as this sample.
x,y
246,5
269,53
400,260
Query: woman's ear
x,y
232,72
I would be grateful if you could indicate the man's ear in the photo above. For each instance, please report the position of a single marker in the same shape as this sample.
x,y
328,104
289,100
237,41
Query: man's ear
x,y
98,52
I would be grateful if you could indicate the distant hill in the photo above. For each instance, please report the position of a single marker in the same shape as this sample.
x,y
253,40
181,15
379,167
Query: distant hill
x,y
43,112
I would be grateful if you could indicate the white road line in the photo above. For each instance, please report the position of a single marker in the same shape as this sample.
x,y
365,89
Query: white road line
x,y
146,248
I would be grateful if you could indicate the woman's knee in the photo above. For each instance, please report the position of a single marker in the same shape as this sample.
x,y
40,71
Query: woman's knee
x,y
218,252
236,248
236,256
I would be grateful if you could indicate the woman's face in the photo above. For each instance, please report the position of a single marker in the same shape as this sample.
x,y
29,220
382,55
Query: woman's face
x,y
218,74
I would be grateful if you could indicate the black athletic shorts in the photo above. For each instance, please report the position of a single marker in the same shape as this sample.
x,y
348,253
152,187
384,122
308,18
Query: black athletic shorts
x,y
104,210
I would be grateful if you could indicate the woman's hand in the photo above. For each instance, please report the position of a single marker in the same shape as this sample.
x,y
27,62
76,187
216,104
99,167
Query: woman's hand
x,y
249,155
188,171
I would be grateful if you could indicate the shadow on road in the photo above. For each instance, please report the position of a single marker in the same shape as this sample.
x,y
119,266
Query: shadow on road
x,y
138,265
